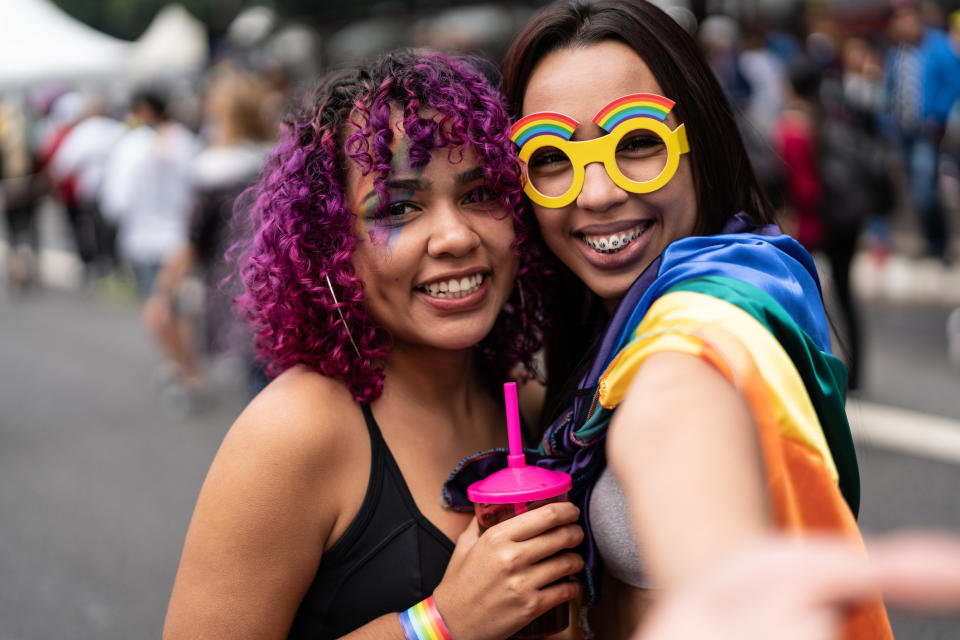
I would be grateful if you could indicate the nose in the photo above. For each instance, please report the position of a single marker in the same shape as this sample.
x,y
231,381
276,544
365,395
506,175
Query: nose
x,y
452,234
599,192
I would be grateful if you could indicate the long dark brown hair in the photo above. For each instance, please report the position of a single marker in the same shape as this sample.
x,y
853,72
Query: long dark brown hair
x,y
722,174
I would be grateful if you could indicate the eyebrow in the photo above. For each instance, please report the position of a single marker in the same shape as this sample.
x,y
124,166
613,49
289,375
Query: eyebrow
x,y
412,184
420,184
468,176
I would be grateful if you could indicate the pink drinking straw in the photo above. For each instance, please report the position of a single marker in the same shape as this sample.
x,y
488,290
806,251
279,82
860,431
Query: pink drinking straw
x,y
515,458
519,483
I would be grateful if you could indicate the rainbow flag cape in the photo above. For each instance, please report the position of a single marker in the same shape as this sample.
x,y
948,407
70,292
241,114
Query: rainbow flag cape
x,y
748,301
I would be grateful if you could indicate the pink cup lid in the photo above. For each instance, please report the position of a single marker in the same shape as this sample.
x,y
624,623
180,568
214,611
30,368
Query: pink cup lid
x,y
519,484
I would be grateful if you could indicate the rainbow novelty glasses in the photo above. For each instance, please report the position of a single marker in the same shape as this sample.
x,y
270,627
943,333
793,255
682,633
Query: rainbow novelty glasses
x,y
639,152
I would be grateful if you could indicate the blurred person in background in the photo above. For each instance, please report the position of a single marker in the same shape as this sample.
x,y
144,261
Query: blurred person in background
x,y
239,130
20,191
837,177
922,74
82,159
148,193
860,100
794,137
766,74
952,149
66,111
719,37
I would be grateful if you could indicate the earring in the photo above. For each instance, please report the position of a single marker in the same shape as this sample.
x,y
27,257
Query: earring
x,y
342,319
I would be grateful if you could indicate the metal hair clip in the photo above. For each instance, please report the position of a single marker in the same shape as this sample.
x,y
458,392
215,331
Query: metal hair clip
x,y
342,319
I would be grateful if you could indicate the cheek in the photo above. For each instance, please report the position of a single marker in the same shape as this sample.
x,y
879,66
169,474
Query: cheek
x,y
678,202
552,223
383,235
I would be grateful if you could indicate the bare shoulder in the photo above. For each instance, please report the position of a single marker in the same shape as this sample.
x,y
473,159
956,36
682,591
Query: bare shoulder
x,y
294,445
301,415
283,478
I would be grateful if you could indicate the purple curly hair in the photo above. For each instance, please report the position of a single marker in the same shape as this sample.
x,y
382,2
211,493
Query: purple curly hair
x,y
303,230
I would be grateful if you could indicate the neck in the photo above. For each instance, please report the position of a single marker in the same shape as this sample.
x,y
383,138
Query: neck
x,y
442,383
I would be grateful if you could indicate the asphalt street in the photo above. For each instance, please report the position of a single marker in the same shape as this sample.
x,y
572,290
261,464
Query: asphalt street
x,y
98,474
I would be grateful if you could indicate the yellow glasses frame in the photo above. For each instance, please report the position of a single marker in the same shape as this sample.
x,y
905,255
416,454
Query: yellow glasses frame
x,y
604,149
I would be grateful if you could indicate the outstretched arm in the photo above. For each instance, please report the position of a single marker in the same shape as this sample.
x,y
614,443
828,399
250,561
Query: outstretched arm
x,y
801,589
683,446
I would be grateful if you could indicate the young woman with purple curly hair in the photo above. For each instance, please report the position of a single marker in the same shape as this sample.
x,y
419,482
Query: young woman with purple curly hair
x,y
392,285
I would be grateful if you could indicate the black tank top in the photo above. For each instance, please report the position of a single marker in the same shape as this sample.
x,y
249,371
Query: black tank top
x,y
389,558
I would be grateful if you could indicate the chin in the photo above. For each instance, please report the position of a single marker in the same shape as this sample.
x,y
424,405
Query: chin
x,y
611,287
460,339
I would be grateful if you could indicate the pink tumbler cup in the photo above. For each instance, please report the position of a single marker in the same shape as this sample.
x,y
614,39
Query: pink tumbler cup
x,y
517,489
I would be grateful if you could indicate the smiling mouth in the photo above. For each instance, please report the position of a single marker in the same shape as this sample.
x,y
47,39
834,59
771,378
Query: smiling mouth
x,y
614,242
454,287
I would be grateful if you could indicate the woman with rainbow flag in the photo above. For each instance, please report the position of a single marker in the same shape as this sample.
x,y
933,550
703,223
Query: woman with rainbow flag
x,y
691,389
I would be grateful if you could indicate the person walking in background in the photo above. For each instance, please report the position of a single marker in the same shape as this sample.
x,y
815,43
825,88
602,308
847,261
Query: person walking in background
x,y
794,137
66,112
952,149
239,134
82,159
148,194
859,99
20,189
766,74
922,74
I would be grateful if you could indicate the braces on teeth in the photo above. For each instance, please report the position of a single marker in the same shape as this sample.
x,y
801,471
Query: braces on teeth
x,y
454,288
614,243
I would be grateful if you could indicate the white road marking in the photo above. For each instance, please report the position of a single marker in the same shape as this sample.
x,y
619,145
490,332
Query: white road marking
x,y
904,431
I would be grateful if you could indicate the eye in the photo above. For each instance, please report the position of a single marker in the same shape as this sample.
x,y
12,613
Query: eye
x,y
639,143
399,209
549,159
480,195
394,215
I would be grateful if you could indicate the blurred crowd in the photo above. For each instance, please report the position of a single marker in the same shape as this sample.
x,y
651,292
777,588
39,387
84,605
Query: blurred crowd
x,y
846,125
149,200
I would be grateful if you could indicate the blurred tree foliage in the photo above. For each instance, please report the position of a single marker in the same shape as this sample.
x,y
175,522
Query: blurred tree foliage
x,y
128,19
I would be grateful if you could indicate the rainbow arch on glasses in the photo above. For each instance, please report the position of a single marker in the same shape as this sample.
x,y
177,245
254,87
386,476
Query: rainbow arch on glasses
x,y
543,123
635,105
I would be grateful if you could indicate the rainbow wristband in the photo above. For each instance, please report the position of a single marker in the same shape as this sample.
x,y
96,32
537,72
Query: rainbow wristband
x,y
422,621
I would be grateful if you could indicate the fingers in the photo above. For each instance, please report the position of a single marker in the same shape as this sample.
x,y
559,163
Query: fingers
x,y
555,568
547,544
537,521
559,593
919,570
468,537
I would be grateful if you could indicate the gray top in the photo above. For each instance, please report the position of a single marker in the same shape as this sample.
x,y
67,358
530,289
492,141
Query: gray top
x,y
613,533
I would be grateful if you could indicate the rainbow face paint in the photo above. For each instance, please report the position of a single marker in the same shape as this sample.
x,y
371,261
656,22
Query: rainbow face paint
x,y
383,229
640,152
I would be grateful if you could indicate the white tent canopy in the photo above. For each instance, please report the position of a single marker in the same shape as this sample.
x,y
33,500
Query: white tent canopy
x,y
174,43
39,42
